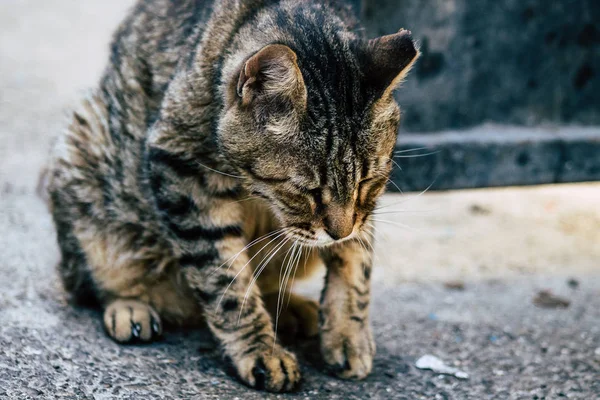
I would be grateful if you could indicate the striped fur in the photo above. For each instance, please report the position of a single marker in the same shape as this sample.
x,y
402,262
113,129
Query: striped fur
x,y
227,143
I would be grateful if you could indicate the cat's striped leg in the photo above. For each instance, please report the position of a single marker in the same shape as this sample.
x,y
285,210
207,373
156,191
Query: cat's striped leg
x,y
204,224
347,344
237,317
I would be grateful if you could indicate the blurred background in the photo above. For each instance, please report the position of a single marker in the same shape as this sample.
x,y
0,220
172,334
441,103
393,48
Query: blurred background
x,y
511,62
532,65
505,98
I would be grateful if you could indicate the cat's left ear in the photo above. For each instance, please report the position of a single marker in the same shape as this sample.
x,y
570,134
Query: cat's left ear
x,y
388,59
272,73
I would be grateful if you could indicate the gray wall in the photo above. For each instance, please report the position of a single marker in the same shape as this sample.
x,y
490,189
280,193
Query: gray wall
x,y
520,62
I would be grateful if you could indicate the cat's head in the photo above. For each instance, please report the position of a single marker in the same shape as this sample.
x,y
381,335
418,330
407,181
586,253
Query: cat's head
x,y
314,133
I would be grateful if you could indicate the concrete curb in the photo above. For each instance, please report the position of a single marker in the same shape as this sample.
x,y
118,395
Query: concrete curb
x,y
493,155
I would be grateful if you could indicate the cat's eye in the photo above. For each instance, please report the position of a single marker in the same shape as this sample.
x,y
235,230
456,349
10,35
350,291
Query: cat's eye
x,y
365,187
316,194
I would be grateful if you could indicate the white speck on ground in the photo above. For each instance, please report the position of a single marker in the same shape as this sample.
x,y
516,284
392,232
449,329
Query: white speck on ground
x,y
436,365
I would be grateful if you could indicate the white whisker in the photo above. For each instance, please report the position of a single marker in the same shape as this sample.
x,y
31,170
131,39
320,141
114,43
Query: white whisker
x,y
232,259
244,267
409,198
403,211
391,181
242,200
399,224
411,150
219,172
291,253
261,266
417,155
294,274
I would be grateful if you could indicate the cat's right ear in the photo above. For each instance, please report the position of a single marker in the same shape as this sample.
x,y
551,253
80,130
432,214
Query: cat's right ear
x,y
388,59
272,73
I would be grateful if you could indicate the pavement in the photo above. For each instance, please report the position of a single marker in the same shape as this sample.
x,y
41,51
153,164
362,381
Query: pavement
x,y
458,274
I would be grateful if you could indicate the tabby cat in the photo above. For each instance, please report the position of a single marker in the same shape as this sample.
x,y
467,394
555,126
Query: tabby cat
x,y
229,144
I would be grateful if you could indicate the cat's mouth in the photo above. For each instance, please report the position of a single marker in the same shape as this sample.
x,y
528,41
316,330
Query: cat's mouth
x,y
317,238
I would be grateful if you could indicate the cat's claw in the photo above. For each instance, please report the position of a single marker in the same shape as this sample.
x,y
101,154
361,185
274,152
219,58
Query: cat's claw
x,y
270,368
131,321
348,354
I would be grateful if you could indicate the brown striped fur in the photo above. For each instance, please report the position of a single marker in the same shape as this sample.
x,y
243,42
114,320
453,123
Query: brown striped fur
x,y
229,146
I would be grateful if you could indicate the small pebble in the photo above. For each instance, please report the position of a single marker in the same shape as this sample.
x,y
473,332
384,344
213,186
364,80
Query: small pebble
x,y
480,210
546,299
455,285
573,283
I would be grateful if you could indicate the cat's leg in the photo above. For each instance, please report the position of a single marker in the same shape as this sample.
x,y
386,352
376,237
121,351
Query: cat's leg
x,y
294,315
237,317
132,271
158,303
73,269
205,227
97,272
347,344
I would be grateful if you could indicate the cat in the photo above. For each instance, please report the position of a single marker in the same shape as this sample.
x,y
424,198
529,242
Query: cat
x,y
228,143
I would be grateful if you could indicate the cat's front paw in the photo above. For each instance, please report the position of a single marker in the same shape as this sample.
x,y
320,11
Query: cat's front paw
x,y
348,351
270,368
131,321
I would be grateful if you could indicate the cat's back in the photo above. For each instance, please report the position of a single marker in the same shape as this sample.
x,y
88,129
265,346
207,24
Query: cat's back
x,y
97,159
146,49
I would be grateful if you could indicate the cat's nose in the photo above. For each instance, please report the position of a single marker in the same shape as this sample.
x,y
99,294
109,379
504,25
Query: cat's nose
x,y
339,221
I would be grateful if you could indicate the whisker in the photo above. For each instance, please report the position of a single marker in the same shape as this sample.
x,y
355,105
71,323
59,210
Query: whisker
x,y
371,245
402,212
283,279
395,185
363,241
293,266
242,200
235,256
399,224
366,239
219,172
395,163
411,150
244,267
294,274
360,241
417,155
310,249
261,266
390,181
409,198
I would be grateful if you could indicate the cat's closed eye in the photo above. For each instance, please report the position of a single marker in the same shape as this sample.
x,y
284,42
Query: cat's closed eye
x,y
316,194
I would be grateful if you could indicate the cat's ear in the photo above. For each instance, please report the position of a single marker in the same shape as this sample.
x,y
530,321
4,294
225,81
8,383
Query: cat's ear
x,y
272,72
388,59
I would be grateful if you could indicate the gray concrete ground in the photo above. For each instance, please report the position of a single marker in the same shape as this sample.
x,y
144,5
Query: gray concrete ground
x,y
505,245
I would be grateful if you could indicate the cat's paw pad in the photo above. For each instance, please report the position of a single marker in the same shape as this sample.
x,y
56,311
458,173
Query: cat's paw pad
x,y
269,368
348,353
130,321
